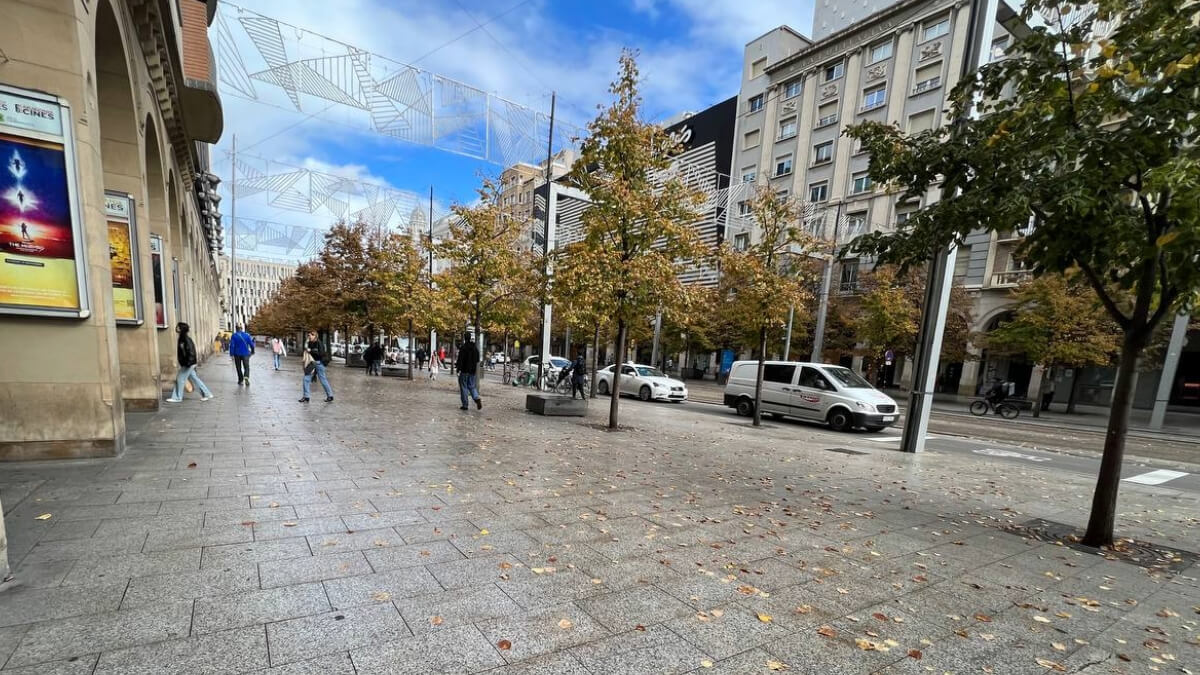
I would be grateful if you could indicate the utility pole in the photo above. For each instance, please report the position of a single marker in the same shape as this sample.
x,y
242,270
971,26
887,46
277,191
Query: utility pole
x,y
826,283
941,268
544,333
787,339
432,332
233,236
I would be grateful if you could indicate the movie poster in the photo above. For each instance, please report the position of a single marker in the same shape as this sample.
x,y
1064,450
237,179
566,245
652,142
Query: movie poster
x,y
122,257
41,266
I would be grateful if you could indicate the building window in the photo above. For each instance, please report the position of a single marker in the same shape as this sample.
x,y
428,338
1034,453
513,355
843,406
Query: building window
x,y
750,140
848,279
787,128
823,152
757,68
755,103
862,182
922,121
816,226
935,28
783,165
875,97
792,89
827,114
880,52
902,217
741,241
818,192
834,71
928,77
999,47
856,224
748,174
743,208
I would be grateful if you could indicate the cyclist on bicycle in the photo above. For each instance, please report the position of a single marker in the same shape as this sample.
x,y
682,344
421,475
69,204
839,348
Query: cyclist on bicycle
x,y
997,392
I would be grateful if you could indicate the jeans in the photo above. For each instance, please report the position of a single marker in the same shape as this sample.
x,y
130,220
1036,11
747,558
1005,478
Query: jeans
x,y
242,365
467,385
320,373
375,367
182,376
277,360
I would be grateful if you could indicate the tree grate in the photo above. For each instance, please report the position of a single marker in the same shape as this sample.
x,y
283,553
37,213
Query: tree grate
x,y
1139,553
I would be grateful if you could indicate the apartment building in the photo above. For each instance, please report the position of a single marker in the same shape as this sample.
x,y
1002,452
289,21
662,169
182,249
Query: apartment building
x,y
256,282
517,185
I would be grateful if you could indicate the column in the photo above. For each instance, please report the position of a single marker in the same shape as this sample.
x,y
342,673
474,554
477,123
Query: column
x,y
1170,365
1034,391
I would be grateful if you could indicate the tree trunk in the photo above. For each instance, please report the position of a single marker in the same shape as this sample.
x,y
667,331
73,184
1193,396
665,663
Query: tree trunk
x,y
616,380
411,375
758,378
1074,391
595,355
1104,500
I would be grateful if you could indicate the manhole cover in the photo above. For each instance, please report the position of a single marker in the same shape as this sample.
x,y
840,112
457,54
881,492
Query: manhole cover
x,y
847,451
1140,553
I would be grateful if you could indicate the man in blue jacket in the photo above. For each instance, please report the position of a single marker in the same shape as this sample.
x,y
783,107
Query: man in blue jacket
x,y
241,347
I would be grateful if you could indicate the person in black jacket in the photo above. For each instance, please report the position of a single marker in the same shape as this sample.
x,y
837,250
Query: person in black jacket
x,y
373,357
185,353
468,366
315,360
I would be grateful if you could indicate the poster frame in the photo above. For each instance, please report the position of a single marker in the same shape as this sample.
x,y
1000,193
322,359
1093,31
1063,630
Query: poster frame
x,y
130,220
67,140
162,277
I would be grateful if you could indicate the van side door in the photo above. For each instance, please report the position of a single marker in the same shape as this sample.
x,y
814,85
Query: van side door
x,y
811,395
778,381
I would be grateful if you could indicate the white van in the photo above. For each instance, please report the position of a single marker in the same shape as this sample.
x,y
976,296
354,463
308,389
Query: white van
x,y
817,392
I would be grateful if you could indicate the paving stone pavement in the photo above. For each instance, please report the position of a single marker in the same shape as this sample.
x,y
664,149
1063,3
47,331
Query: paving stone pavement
x,y
391,532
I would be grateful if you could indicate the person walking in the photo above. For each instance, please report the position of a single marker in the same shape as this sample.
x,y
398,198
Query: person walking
x,y
434,366
468,365
315,360
241,347
185,354
278,351
373,356
578,375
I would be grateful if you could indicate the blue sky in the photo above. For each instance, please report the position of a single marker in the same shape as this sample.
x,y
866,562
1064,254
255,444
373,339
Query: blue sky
x,y
690,57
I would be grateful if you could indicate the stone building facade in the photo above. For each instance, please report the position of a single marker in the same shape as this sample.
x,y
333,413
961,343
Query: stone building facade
x,y
135,85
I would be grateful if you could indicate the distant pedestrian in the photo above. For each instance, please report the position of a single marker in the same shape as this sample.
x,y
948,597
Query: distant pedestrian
x,y
315,360
578,376
278,351
420,355
241,346
468,366
1048,393
185,354
373,357
434,366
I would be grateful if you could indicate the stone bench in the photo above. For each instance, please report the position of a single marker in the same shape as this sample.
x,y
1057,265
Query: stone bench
x,y
555,405
394,370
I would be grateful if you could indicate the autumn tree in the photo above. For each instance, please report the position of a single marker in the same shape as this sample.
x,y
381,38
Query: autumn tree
x,y
768,278
399,274
582,298
638,223
1090,126
490,275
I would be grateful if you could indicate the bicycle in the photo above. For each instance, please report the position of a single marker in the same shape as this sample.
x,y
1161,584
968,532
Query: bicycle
x,y
507,375
1005,409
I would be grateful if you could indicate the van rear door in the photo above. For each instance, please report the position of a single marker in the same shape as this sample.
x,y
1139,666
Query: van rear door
x,y
778,381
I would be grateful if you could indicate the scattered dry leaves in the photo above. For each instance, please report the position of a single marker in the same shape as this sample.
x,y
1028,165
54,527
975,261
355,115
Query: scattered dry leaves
x,y
827,631
504,645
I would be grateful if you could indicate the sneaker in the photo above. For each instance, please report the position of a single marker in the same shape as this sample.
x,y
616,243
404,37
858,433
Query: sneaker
x,y
174,400
239,383
304,400
464,408
207,398
329,399
247,380
479,404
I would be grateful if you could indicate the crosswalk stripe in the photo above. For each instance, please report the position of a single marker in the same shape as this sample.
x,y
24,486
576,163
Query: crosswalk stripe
x,y
1155,477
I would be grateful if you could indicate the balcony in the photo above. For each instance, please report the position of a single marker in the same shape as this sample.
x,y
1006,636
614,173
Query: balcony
x,y
848,288
872,105
927,85
1010,278
826,121
1017,234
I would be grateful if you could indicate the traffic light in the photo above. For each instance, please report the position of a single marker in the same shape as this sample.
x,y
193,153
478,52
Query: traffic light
x,y
209,202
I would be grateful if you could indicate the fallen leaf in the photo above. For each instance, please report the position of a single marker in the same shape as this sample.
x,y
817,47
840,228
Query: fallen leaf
x,y
381,596
437,621
827,631
289,524
640,627
706,664
1166,613
565,624
1041,619
248,523
717,613
983,617
1059,646
504,645
880,616
381,543
504,565
843,591
772,664
44,516
484,531
765,618
914,654
803,609
191,465
1052,665
273,505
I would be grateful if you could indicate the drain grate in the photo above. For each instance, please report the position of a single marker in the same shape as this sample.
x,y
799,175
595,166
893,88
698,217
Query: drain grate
x,y
847,451
1140,553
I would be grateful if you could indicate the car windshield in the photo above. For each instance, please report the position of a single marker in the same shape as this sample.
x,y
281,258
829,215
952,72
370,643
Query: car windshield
x,y
848,378
647,371
559,363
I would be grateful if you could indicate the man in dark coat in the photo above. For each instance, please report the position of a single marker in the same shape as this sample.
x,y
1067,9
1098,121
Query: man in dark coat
x,y
468,367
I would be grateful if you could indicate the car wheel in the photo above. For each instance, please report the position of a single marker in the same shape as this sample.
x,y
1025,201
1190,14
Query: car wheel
x,y
644,393
839,419
602,387
745,407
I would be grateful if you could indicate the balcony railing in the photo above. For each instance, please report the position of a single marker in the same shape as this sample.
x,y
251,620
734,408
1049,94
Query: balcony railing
x,y
926,85
827,121
872,105
1011,277
848,288
1017,234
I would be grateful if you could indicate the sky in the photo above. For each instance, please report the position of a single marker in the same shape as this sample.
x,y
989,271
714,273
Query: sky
x,y
690,54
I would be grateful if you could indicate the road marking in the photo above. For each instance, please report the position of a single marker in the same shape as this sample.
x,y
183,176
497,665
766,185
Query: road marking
x,y
1155,477
894,439
997,452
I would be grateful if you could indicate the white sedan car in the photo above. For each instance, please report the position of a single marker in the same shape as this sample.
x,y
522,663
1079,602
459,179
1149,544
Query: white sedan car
x,y
554,364
646,382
